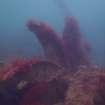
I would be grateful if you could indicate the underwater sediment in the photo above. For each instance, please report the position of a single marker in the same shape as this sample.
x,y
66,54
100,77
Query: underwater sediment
x,y
65,77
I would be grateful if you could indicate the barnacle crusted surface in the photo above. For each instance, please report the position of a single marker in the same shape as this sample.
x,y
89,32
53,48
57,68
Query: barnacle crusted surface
x,y
84,87
31,71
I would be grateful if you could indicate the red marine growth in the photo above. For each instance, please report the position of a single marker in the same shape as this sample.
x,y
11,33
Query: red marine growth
x,y
50,40
70,51
66,53
77,51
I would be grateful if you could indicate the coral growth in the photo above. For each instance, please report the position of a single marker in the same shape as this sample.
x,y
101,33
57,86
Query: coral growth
x,y
38,80
85,88
46,93
66,77
30,70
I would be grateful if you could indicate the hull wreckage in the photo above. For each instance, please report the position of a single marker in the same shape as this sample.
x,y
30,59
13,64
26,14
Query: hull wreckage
x,y
65,77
